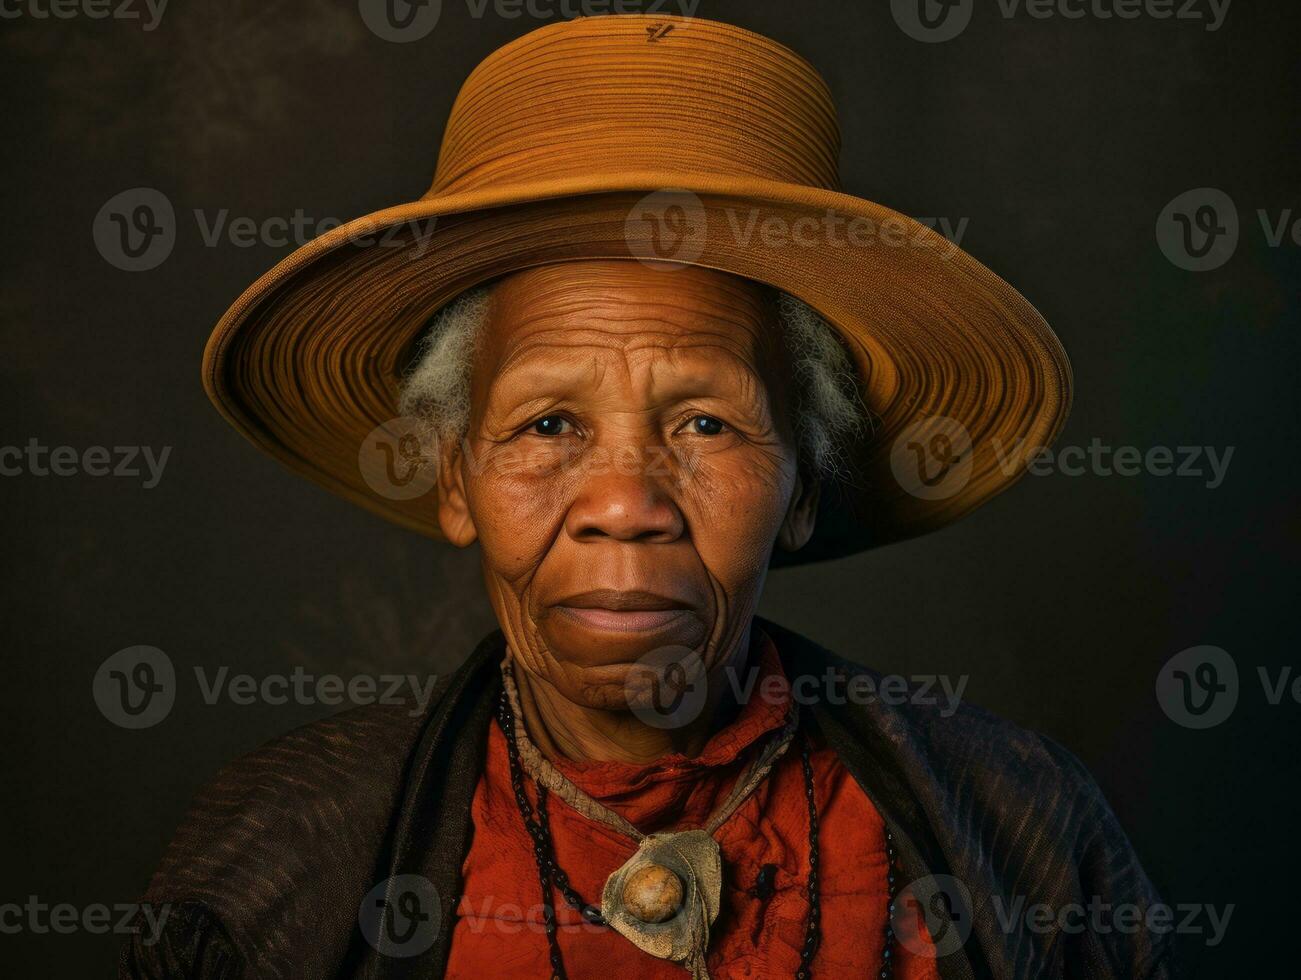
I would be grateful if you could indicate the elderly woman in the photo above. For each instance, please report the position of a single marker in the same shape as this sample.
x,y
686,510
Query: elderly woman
x,y
574,354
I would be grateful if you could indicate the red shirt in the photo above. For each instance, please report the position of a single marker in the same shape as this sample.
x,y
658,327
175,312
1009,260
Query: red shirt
x,y
498,929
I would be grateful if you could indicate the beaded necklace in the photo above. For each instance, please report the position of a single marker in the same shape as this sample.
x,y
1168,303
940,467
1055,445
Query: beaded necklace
x,y
660,892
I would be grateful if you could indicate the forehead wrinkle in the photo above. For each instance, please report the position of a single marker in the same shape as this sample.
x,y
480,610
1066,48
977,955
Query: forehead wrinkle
x,y
634,330
686,303
559,326
656,373
719,362
564,338
685,313
679,318
534,365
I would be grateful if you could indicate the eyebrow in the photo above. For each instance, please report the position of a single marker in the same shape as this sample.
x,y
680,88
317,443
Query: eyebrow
x,y
718,373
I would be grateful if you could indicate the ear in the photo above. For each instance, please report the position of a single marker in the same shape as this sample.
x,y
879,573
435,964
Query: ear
x,y
453,505
801,514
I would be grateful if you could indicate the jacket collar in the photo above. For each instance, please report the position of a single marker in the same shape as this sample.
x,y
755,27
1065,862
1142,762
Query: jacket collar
x,y
431,829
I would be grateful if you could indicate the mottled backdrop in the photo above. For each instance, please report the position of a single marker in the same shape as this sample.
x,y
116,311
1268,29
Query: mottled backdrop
x,y
1049,143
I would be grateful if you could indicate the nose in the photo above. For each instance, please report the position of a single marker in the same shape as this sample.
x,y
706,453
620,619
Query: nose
x,y
624,503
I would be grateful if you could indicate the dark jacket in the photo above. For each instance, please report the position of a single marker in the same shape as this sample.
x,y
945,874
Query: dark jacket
x,y
265,877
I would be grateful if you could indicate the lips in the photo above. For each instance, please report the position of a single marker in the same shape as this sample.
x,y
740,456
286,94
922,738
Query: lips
x,y
611,610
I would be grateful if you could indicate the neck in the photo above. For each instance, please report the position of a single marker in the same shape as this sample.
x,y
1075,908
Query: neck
x,y
562,729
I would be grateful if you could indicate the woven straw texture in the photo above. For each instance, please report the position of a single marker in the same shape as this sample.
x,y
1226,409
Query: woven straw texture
x,y
613,138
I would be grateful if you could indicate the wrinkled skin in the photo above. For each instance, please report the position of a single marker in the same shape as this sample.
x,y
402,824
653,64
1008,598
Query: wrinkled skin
x,y
629,433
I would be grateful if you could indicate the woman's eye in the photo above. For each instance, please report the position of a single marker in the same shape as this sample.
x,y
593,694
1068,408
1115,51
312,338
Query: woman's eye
x,y
550,425
704,425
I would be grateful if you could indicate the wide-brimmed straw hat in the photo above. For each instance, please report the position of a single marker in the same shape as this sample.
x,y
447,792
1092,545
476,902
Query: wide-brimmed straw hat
x,y
649,138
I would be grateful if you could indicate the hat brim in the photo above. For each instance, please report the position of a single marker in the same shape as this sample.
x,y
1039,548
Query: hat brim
x,y
307,362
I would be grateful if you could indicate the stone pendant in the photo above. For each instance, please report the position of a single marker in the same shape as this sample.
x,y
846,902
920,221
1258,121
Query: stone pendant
x,y
666,896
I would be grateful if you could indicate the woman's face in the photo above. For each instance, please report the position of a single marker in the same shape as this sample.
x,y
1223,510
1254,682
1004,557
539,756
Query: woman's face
x,y
628,468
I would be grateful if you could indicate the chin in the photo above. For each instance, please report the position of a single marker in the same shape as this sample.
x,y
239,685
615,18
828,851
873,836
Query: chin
x,y
637,685
606,651
598,697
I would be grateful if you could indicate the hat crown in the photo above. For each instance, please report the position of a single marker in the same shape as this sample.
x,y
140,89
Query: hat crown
x,y
640,93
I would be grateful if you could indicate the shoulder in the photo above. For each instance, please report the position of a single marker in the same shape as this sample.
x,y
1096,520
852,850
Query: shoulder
x,y
306,779
310,806
927,722
943,746
291,778
1007,811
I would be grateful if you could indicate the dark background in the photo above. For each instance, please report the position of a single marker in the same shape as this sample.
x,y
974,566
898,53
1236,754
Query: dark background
x,y
1060,140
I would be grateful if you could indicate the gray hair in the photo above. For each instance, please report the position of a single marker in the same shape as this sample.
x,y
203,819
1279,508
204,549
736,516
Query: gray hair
x,y
828,412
